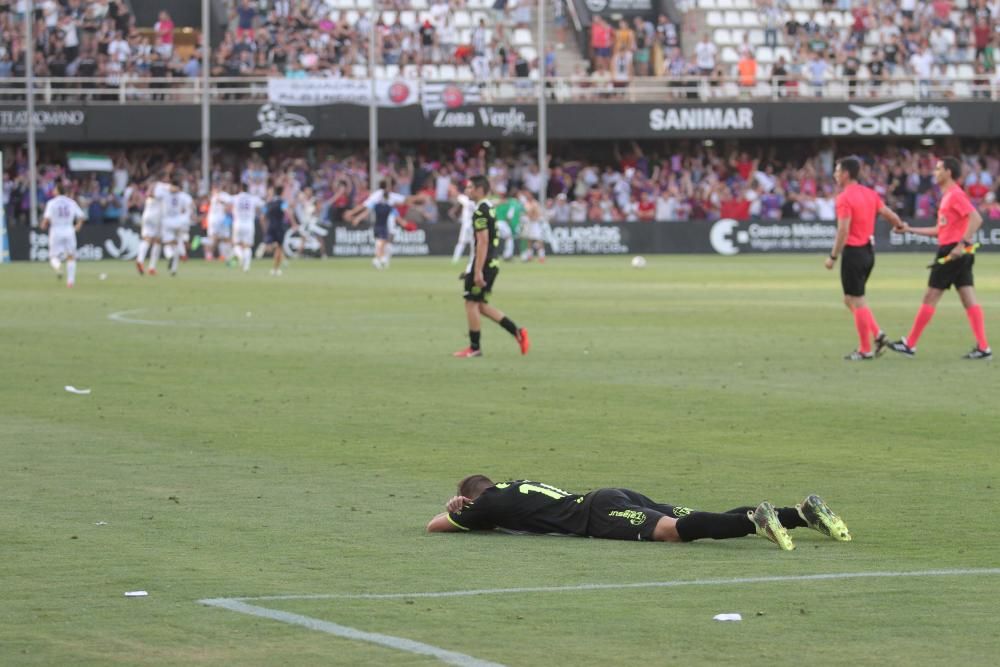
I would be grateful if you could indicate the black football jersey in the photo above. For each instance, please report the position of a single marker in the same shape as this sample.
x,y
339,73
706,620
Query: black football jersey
x,y
485,217
528,507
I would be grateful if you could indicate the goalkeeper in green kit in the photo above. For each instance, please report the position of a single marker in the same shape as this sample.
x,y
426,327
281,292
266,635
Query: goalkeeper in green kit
x,y
509,210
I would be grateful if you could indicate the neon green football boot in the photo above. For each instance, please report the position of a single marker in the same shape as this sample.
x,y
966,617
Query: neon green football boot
x,y
765,520
820,517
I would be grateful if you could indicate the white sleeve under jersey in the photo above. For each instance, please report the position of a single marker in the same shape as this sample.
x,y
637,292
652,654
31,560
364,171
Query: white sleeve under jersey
x,y
62,213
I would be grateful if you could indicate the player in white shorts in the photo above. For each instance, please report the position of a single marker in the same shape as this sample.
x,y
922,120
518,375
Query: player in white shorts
x,y
245,207
466,208
534,228
177,209
63,217
218,213
506,236
151,227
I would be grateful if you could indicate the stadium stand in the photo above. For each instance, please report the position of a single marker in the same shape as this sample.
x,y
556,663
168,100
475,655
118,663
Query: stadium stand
x,y
680,182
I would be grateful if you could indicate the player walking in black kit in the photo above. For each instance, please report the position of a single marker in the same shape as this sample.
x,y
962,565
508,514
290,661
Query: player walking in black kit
x,y
621,514
279,218
483,273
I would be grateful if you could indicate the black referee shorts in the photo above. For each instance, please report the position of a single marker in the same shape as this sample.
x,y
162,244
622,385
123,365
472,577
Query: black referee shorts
x,y
621,514
957,272
856,266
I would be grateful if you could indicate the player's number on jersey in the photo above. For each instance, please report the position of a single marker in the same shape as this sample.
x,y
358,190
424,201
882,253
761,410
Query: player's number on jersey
x,y
545,489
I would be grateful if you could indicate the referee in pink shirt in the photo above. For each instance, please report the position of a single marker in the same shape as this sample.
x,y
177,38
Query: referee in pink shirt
x,y
958,222
857,208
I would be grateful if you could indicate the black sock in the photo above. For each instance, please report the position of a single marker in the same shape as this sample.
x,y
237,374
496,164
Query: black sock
x,y
702,525
789,517
741,510
474,339
511,328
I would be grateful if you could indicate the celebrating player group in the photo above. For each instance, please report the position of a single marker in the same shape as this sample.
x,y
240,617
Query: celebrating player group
x,y
957,224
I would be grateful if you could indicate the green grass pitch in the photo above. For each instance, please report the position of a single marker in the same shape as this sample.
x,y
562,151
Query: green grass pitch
x,y
250,435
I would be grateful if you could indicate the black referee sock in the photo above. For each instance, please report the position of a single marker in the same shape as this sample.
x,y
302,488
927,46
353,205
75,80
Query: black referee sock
x,y
507,324
708,525
474,339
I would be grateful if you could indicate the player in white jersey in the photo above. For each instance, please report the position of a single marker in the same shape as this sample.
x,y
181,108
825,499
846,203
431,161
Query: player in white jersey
x,y
177,210
151,227
218,216
63,217
534,228
245,207
465,207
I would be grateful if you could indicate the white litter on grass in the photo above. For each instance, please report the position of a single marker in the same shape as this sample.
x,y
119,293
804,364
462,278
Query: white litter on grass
x,y
249,314
136,594
73,390
102,276
101,523
727,617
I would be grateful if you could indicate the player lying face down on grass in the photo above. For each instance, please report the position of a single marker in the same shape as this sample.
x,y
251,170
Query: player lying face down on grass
x,y
523,506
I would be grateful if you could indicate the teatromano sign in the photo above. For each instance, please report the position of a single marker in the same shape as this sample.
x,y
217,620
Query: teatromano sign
x,y
462,120
722,237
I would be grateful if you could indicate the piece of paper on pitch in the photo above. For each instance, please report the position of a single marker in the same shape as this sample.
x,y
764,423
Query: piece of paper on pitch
x,y
136,594
727,617
73,390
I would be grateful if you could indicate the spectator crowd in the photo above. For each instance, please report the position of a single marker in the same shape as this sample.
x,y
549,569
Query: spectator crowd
x,y
932,43
684,181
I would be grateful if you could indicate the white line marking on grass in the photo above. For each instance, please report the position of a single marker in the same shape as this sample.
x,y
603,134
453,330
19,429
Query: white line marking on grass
x,y
123,317
387,641
647,584
453,658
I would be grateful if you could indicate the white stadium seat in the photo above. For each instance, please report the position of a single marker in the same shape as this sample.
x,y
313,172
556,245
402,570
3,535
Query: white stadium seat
x,y
756,37
722,37
408,19
724,4
461,19
965,72
714,19
522,37
750,19
419,4
764,55
729,55
389,18
705,5
733,19
783,52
